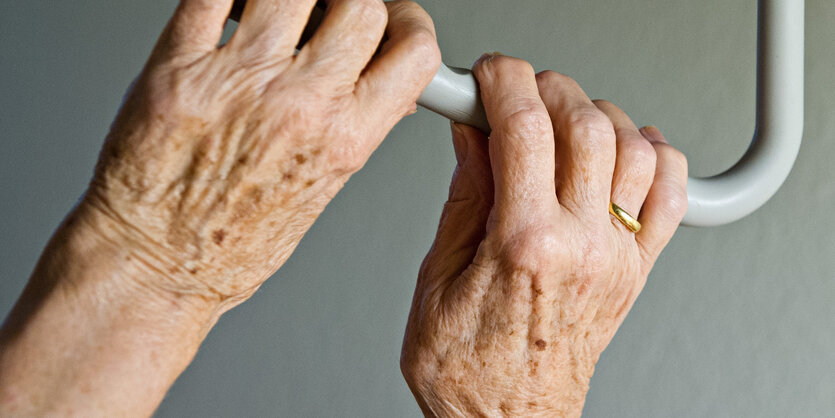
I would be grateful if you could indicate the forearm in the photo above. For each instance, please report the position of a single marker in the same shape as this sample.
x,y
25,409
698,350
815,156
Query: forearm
x,y
88,336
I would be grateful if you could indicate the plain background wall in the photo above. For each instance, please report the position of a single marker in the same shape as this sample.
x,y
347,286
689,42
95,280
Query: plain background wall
x,y
734,321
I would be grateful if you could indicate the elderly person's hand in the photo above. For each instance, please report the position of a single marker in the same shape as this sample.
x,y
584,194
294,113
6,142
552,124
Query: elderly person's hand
x,y
222,158
530,276
219,161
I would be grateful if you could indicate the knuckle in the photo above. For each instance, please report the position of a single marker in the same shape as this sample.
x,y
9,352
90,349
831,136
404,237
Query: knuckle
x,y
424,45
552,78
346,158
529,120
548,76
407,7
673,157
642,154
591,126
502,64
370,12
603,103
532,249
353,162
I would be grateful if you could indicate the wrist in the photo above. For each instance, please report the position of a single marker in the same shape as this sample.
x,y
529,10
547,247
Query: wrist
x,y
94,260
565,404
89,320
563,394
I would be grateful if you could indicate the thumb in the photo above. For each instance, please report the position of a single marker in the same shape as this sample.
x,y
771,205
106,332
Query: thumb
x,y
464,217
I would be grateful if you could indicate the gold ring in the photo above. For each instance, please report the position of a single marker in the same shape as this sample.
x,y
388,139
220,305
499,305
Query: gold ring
x,y
626,219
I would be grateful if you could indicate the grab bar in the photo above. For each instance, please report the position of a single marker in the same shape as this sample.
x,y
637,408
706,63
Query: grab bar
x,y
749,183
757,176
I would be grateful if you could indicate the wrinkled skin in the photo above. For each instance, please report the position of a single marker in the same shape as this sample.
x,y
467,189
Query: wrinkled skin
x,y
530,276
219,161
222,158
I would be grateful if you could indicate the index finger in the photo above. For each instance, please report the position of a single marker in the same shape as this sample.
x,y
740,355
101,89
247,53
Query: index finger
x,y
405,65
522,141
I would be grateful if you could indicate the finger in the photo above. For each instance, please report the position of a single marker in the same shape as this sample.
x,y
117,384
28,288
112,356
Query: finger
x,y
522,140
406,64
272,27
196,27
463,220
634,163
585,145
346,40
666,202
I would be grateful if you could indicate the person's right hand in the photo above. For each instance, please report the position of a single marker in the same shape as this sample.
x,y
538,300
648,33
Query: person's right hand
x,y
222,157
529,276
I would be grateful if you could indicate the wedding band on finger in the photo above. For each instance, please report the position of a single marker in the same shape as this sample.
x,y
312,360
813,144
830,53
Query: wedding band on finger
x,y
625,218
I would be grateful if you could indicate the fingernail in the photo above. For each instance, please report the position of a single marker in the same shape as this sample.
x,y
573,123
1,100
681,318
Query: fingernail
x,y
652,134
478,61
459,143
487,57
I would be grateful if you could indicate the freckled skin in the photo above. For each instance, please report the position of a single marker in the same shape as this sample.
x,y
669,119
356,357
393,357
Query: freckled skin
x,y
257,154
218,237
221,159
529,277
218,162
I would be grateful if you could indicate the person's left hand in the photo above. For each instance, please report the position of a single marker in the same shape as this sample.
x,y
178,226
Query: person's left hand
x,y
222,157
219,161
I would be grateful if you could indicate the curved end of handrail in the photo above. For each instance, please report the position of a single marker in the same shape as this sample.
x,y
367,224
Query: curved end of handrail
x,y
753,180
758,175
744,188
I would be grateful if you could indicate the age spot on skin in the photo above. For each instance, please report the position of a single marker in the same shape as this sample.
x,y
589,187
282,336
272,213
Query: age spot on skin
x,y
301,159
248,203
218,236
533,368
537,292
540,345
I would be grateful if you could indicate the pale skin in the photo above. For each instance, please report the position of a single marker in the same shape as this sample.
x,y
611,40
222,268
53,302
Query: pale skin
x,y
221,158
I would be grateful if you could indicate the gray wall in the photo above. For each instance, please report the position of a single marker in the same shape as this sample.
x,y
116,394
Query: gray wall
x,y
734,321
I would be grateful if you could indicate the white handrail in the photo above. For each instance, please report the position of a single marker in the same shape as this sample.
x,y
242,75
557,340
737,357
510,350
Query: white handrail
x,y
753,180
